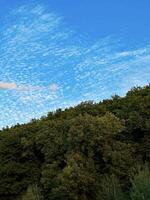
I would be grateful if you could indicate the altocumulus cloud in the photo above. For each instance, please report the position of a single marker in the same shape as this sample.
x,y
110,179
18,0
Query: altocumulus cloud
x,y
54,87
50,66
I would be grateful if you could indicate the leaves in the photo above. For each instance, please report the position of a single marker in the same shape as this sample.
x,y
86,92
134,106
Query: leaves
x,y
87,152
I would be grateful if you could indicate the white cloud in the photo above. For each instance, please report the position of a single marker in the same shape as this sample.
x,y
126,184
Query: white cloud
x,y
38,49
28,88
8,85
54,87
25,88
14,86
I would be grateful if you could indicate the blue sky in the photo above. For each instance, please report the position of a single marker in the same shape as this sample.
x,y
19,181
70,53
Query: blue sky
x,y
58,53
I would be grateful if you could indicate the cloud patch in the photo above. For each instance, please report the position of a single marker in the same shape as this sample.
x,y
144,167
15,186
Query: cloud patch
x,y
25,88
8,86
54,87
52,66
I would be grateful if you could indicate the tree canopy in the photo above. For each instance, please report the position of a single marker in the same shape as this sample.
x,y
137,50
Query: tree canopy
x,y
87,152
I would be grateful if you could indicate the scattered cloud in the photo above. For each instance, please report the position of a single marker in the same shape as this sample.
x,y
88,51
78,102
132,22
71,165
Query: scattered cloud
x,y
7,85
37,49
14,86
54,87
22,88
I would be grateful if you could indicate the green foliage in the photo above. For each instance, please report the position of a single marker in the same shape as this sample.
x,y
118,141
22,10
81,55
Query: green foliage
x,y
110,189
32,193
85,152
141,185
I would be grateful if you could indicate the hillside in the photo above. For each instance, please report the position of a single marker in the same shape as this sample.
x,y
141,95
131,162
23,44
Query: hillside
x,y
93,151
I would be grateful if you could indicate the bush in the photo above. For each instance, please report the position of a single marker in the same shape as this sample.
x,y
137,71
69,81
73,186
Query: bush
x,y
110,189
141,185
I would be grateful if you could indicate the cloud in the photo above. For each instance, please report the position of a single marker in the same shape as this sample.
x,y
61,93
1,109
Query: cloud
x,y
8,86
28,88
14,86
25,88
37,48
54,87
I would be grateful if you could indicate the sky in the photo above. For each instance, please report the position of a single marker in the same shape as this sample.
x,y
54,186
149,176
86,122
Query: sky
x,y
58,53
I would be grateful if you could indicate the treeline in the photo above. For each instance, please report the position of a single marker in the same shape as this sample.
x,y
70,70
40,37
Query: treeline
x,y
94,151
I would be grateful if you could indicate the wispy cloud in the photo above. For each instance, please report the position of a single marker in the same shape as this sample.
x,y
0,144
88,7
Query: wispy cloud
x,y
21,88
7,85
54,87
50,66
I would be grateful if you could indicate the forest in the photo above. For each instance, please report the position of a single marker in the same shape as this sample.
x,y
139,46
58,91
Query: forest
x,y
93,151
